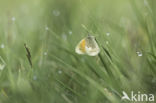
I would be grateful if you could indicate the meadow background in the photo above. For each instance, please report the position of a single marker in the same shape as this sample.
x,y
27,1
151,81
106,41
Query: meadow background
x,y
124,29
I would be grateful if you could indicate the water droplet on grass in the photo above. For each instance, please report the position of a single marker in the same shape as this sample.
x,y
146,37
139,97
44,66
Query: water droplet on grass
x,y
13,18
59,72
107,33
139,54
46,28
70,32
45,53
2,46
56,12
2,66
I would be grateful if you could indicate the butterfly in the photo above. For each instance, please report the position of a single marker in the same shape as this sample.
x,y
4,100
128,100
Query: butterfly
x,y
88,46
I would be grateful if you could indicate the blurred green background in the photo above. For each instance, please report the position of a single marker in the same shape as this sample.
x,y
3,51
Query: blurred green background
x,y
125,32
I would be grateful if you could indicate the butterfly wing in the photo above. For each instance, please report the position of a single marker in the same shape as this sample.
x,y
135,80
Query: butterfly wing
x,y
80,48
92,48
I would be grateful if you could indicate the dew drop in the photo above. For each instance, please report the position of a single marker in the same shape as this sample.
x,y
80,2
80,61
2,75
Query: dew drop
x,y
59,72
107,33
70,32
2,46
2,66
139,54
46,28
56,12
13,18
45,53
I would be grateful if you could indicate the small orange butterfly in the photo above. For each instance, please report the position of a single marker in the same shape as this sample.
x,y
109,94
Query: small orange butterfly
x,y
88,46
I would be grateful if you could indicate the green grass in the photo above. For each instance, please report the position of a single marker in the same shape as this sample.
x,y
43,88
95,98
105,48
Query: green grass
x,y
52,29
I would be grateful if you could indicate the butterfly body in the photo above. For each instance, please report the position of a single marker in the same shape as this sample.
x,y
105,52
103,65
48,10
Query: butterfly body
x,y
88,46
